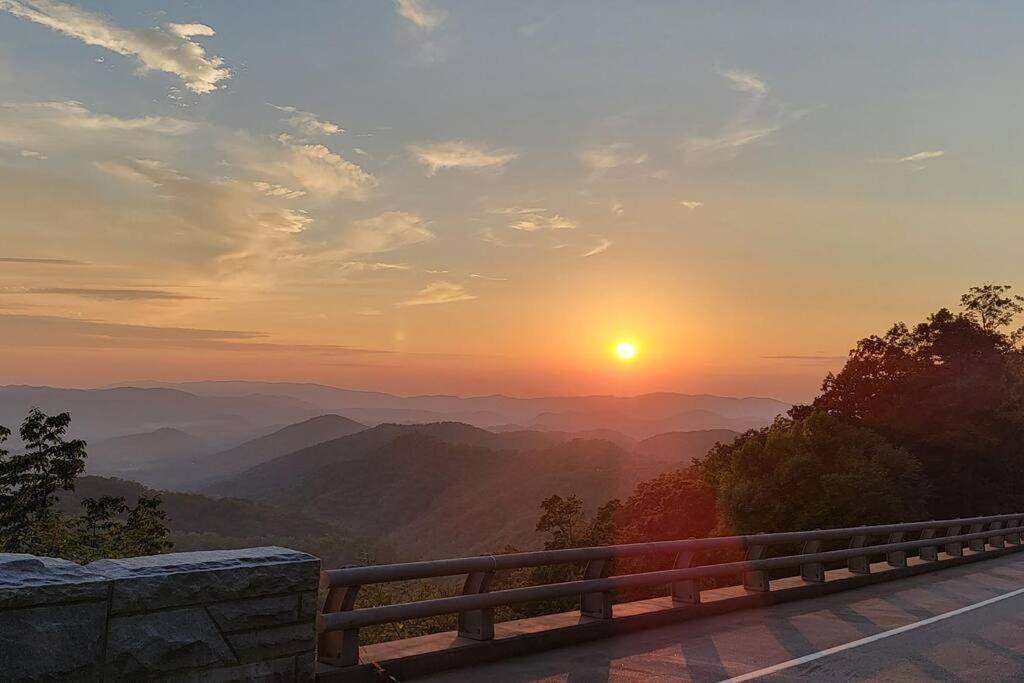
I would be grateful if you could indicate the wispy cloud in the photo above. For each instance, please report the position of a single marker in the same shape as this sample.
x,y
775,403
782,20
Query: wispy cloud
x,y
43,261
308,123
758,118
728,142
420,14
365,267
171,49
691,204
529,219
274,190
61,124
478,276
605,158
746,81
313,167
617,208
33,154
385,232
459,154
922,156
600,248
438,293
115,294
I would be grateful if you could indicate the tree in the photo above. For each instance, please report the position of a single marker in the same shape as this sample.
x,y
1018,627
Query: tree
x,y
812,471
950,391
672,506
30,482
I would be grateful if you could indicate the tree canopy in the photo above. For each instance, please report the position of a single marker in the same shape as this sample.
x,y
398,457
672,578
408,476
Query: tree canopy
x,y
949,390
812,470
30,480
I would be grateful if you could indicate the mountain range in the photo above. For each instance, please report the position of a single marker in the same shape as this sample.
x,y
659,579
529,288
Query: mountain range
x,y
225,414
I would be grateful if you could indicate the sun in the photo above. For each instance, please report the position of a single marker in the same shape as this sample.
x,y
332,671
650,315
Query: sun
x,y
625,350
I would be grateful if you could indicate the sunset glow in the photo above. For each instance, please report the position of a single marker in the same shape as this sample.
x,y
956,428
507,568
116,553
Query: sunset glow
x,y
394,216
625,350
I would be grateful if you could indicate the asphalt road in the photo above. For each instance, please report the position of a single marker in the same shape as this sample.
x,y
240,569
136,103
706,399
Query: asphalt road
x,y
959,624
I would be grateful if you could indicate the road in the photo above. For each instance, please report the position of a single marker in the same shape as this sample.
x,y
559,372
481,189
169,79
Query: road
x,y
959,624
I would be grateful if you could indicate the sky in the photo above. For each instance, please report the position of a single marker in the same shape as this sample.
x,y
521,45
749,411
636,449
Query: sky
x,y
430,196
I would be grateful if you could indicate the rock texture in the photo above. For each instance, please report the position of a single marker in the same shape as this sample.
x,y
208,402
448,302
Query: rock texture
x,y
235,615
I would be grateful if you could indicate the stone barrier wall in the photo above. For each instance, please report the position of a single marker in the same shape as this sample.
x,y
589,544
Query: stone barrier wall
x,y
226,615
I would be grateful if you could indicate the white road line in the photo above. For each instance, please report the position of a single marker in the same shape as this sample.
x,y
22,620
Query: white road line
x,y
870,639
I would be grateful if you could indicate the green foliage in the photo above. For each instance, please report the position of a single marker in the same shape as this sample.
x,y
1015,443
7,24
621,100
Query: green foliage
x,y
30,521
813,471
671,506
949,390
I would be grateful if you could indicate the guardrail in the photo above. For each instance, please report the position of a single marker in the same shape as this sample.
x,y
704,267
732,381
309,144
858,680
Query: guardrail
x,y
339,622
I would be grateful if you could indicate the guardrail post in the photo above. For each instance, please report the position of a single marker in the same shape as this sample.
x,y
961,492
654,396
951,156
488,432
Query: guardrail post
x,y
340,648
686,591
477,624
896,558
756,580
862,564
812,571
597,605
1014,537
954,548
928,553
977,544
996,541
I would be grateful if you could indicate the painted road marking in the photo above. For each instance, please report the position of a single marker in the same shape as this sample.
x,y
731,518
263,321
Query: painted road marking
x,y
870,639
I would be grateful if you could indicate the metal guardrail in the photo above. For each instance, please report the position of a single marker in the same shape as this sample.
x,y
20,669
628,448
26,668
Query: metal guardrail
x,y
339,621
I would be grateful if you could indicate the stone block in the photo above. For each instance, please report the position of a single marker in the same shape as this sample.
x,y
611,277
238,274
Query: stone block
x,y
239,615
308,606
179,579
53,642
27,580
273,671
164,642
273,642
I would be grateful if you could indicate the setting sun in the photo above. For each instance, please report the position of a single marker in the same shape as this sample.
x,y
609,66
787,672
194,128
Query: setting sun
x,y
625,350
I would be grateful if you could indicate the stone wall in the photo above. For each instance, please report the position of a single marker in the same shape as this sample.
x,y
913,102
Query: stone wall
x,y
231,615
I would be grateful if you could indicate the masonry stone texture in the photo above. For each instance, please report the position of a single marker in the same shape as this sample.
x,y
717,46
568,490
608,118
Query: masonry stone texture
x,y
217,616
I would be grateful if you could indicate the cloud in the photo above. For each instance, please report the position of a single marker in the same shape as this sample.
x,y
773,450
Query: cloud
x,y
691,204
314,168
222,217
760,117
921,156
363,267
438,293
461,155
63,123
419,14
32,154
617,208
43,261
272,190
309,123
21,330
601,247
605,158
728,142
746,81
115,294
386,232
477,276
170,49
536,219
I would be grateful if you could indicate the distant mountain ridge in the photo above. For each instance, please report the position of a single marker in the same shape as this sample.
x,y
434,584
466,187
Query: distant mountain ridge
x,y
636,416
